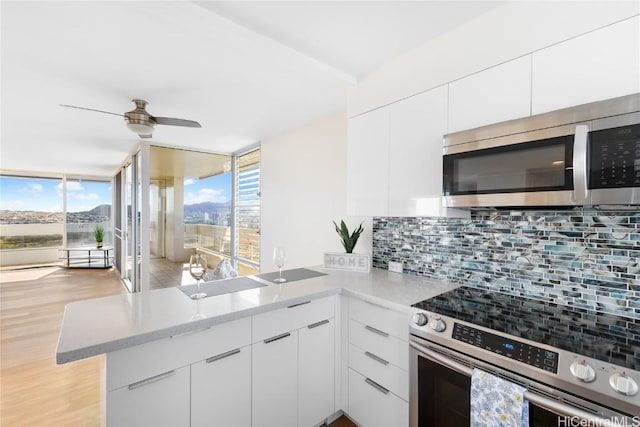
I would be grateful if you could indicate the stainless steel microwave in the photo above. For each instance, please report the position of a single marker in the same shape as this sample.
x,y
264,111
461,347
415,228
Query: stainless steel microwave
x,y
584,155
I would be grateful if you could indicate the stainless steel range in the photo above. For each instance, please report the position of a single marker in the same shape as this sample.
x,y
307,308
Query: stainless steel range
x,y
579,367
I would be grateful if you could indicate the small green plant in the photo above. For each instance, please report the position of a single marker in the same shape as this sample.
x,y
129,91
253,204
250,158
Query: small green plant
x,y
348,240
98,233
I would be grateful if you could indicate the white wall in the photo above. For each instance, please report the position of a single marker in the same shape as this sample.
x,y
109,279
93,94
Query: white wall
x,y
512,30
303,176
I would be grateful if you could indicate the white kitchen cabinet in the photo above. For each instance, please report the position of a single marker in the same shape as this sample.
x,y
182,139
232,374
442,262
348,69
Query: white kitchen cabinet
x,y
160,400
368,164
274,391
416,127
371,404
493,95
395,158
602,64
316,372
294,364
378,375
152,383
221,389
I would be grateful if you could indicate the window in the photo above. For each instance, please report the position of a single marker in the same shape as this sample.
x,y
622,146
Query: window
x,y
207,213
88,205
247,212
30,213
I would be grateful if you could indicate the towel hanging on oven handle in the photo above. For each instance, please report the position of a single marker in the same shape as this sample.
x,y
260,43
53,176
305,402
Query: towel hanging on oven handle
x,y
536,399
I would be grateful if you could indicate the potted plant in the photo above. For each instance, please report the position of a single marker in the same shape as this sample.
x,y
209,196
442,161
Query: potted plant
x,y
98,233
348,261
347,239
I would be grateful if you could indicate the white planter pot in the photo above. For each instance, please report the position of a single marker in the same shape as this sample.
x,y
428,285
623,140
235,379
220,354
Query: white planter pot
x,y
347,262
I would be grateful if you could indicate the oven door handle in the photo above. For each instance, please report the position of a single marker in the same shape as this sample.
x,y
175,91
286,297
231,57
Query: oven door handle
x,y
543,402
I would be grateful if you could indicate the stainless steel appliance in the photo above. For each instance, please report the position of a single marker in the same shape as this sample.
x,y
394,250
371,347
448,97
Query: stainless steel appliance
x,y
584,155
579,368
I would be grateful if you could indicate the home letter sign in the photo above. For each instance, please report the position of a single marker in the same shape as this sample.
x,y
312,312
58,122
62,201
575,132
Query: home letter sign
x,y
347,262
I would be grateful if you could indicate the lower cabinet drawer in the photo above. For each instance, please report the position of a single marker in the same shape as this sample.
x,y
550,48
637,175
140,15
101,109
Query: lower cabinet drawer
x,y
136,363
161,400
388,347
369,405
295,316
379,370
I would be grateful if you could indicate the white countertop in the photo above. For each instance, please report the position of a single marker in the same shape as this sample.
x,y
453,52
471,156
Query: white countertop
x,y
103,325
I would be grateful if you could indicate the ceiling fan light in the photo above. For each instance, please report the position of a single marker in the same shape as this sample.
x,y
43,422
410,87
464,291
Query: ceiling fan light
x,y
140,129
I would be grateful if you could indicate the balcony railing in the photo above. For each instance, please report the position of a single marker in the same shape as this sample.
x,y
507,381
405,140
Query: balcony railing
x,y
217,240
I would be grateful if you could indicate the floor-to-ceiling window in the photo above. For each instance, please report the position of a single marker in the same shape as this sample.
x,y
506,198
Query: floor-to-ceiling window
x,y
88,206
208,215
40,215
247,212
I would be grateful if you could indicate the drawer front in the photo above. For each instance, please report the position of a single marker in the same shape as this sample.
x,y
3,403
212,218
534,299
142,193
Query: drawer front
x,y
379,370
160,401
385,319
296,316
136,363
371,406
388,347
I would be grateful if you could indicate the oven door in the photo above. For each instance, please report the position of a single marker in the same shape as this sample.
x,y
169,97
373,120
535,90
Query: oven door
x,y
440,389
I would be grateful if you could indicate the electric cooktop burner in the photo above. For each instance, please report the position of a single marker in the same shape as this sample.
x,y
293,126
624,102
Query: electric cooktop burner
x,y
610,338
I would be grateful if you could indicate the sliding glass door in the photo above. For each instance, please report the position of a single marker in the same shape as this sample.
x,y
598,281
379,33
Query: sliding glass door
x,y
129,229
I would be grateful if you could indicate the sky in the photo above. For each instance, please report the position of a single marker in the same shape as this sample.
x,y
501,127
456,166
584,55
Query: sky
x,y
214,189
37,194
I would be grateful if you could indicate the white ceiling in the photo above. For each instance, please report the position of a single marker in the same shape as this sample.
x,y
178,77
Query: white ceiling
x,y
245,70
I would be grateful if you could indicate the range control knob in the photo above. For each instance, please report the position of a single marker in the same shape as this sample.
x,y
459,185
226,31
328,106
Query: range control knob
x,y
623,384
420,319
437,324
583,371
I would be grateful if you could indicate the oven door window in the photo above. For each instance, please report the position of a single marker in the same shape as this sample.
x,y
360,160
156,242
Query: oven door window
x,y
545,165
444,399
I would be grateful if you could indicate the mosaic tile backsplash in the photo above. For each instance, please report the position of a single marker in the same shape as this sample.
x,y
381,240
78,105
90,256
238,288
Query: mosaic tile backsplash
x,y
583,258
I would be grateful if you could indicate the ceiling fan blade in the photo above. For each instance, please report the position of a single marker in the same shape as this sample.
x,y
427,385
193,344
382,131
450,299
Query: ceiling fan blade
x,y
90,109
177,122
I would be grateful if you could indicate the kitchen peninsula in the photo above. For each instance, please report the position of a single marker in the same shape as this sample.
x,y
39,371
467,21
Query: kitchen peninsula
x,y
165,341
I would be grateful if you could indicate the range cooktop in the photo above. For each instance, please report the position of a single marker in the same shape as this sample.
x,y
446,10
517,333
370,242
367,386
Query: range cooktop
x,y
609,338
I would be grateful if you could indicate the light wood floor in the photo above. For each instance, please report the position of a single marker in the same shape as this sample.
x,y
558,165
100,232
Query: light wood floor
x,y
34,391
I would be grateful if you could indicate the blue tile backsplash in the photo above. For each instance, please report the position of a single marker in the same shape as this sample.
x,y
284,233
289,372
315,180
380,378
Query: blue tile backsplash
x,y
584,258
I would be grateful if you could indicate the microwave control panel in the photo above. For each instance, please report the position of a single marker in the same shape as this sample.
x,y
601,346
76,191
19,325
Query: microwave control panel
x,y
615,157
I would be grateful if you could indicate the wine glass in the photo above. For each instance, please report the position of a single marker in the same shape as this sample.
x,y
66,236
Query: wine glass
x,y
279,257
197,268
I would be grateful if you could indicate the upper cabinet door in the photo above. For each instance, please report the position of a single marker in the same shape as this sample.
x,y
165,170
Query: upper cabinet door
x,y
491,96
368,164
599,65
417,125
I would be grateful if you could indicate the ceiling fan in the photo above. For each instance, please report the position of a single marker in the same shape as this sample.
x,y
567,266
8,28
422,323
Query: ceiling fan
x,y
140,121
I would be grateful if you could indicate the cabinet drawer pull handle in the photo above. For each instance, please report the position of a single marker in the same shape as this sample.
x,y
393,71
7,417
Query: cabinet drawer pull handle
x,y
320,323
376,358
376,386
376,331
190,332
298,304
151,380
277,337
223,355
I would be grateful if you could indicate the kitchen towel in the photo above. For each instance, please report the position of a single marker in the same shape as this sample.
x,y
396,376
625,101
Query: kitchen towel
x,y
496,402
